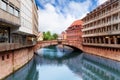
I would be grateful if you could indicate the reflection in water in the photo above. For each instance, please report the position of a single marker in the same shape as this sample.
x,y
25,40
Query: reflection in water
x,y
98,68
23,73
52,64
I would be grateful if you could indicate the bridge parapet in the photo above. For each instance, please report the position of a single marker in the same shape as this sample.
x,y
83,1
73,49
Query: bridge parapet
x,y
76,44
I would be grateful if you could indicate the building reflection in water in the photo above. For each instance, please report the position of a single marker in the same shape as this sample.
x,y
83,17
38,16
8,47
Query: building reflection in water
x,y
94,68
98,68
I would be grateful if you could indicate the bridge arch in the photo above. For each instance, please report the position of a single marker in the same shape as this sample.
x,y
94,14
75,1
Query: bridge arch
x,y
73,45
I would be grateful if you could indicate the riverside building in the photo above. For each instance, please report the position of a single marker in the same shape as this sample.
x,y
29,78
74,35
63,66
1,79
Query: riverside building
x,y
102,25
101,30
74,32
9,19
18,31
18,21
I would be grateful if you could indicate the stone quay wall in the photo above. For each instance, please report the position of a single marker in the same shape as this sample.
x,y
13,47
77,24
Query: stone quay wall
x,y
13,59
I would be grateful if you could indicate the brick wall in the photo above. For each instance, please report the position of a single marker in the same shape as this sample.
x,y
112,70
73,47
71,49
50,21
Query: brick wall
x,y
11,61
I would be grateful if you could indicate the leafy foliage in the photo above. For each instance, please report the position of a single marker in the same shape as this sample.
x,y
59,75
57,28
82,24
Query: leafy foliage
x,y
48,36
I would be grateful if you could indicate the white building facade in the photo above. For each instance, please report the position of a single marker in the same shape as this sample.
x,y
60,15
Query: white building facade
x,y
26,17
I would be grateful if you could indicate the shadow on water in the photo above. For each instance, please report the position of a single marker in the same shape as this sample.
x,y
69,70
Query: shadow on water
x,y
65,54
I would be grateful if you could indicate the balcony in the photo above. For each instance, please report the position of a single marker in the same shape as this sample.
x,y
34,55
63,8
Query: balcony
x,y
108,13
13,46
102,25
114,32
8,18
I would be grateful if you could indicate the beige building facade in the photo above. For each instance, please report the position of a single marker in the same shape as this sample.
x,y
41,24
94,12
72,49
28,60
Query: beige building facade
x,y
9,19
101,27
40,36
18,21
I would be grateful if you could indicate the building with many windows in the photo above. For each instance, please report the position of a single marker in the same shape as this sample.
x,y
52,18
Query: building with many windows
x,y
19,21
9,19
102,26
101,30
74,32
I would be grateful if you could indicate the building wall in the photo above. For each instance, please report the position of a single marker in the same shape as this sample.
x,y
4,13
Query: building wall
x,y
29,17
102,25
6,65
15,2
74,32
26,16
11,61
16,26
101,30
9,19
35,19
19,18
40,36
64,35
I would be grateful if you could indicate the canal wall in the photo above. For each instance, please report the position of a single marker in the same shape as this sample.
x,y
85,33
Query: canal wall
x,y
110,53
12,60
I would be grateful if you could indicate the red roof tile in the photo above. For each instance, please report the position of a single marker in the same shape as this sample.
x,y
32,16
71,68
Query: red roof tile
x,y
77,22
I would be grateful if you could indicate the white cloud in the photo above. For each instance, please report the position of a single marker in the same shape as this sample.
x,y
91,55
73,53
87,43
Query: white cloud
x,y
79,10
101,2
53,20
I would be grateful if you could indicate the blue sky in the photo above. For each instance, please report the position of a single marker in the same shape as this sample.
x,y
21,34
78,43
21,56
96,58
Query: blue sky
x,y
57,15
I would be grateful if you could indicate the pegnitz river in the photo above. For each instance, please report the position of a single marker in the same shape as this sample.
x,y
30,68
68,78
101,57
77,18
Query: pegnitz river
x,y
52,63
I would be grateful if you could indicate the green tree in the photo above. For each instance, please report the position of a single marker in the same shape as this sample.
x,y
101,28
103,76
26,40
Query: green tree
x,y
55,36
44,36
48,36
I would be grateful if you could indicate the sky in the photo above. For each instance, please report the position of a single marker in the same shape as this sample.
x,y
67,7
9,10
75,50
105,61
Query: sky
x,y
57,15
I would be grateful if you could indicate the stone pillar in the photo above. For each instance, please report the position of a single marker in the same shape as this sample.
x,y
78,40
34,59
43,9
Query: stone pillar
x,y
104,40
99,39
119,23
92,40
88,40
112,28
95,40
109,41
115,40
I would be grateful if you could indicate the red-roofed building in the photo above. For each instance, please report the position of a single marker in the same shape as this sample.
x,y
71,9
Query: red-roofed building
x,y
74,32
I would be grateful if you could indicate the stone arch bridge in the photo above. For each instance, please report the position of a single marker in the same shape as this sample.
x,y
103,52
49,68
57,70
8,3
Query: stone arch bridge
x,y
107,52
75,44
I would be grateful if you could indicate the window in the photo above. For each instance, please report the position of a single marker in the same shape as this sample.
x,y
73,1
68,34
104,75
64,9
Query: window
x,y
4,5
11,9
7,56
4,35
3,58
16,12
